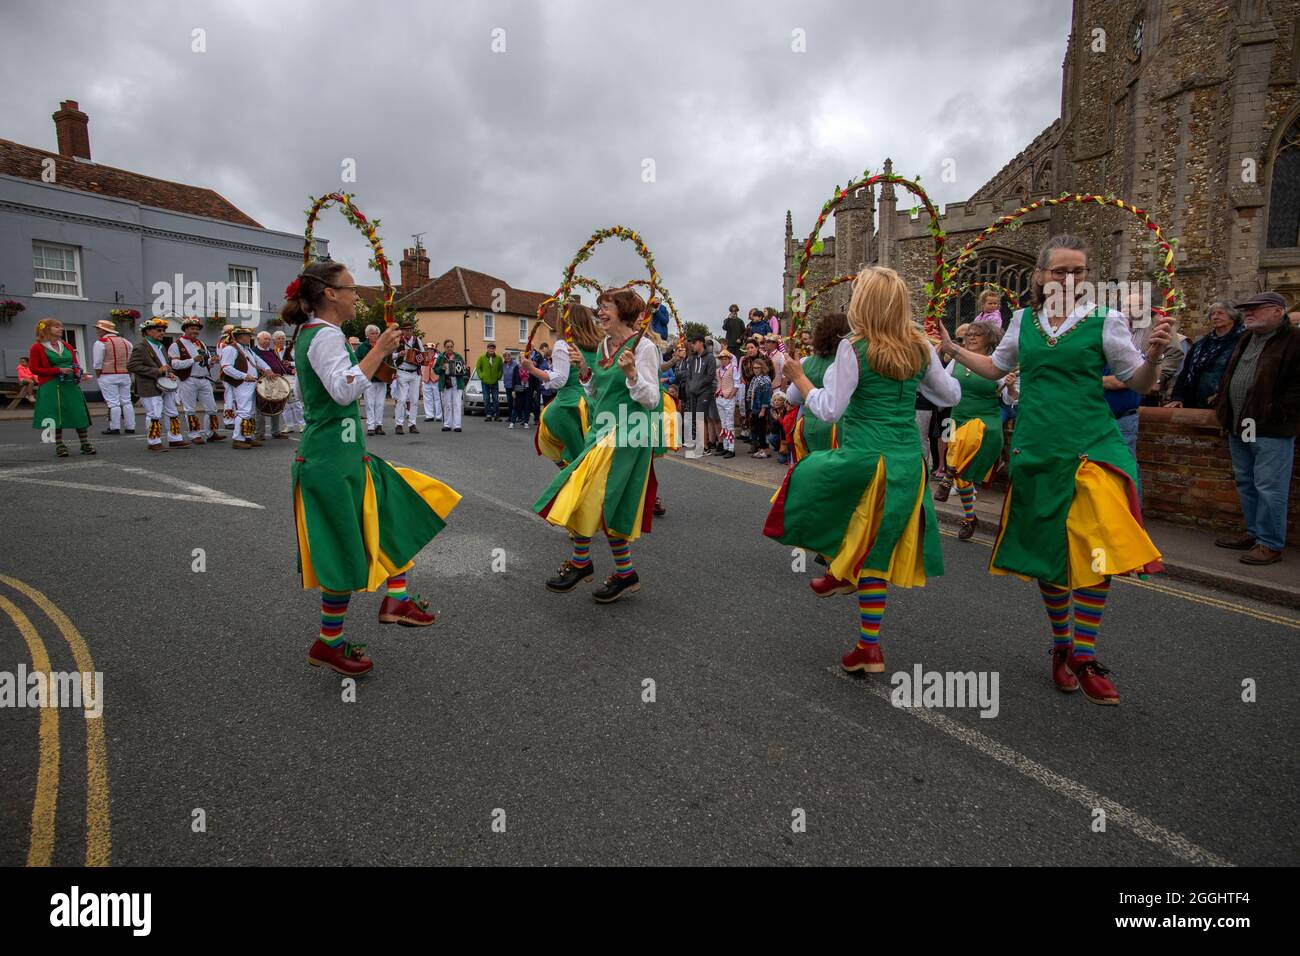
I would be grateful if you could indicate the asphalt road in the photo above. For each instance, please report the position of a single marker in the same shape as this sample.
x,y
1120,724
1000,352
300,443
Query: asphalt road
x,y
527,706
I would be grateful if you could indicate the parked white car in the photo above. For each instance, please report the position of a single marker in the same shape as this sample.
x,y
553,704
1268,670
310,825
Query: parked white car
x,y
474,395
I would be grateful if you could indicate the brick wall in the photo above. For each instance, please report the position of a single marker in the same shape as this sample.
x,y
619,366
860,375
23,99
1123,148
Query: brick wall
x,y
1187,472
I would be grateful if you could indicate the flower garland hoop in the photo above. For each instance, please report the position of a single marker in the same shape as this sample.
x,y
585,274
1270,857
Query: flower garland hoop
x,y
1173,298
583,254
591,285
936,288
367,227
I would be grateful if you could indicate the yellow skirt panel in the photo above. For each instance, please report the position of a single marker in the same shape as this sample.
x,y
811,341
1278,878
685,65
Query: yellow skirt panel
x,y
580,503
1103,537
907,565
965,444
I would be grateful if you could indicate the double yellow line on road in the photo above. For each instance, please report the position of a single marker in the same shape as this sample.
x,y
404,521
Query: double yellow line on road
x,y
98,836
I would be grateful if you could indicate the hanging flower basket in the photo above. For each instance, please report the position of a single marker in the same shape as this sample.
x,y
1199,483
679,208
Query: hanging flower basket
x,y
9,308
124,315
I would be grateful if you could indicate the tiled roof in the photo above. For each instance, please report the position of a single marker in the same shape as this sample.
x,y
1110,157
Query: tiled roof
x,y
459,288
26,162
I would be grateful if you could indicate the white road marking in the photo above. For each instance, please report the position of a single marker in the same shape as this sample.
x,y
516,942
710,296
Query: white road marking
x,y
195,492
1173,843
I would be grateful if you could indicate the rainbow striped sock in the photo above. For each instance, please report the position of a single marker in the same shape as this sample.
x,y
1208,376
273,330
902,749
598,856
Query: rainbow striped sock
x,y
397,587
1058,612
967,492
622,549
581,551
871,609
333,609
1089,603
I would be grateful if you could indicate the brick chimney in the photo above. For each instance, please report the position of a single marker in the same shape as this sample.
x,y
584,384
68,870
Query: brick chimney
x,y
73,127
415,269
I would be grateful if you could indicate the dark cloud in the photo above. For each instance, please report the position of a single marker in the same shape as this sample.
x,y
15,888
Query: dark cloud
x,y
508,161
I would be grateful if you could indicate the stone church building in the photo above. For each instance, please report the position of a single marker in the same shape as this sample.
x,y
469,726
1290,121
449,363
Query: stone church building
x,y
1189,109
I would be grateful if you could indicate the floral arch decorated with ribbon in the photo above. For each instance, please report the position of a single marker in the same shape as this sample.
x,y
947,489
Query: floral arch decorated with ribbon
x,y
369,228
935,288
1165,275
624,234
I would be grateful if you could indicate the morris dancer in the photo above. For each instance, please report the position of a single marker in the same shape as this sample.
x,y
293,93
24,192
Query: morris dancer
x,y
293,409
976,444
376,391
406,387
810,432
360,521
191,361
562,432
1072,517
863,504
227,393
240,368
149,364
112,352
59,401
612,481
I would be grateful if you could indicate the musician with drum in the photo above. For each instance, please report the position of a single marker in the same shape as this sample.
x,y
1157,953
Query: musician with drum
x,y
157,385
240,369
410,355
192,363
272,398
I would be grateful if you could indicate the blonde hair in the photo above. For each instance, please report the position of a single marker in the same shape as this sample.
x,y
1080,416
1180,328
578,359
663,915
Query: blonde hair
x,y
43,328
583,331
880,313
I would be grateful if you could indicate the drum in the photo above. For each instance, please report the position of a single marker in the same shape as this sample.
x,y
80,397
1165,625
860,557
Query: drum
x,y
168,384
273,394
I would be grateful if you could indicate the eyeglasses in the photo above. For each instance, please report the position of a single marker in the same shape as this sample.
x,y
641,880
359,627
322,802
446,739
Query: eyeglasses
x,y
1060,274
352,288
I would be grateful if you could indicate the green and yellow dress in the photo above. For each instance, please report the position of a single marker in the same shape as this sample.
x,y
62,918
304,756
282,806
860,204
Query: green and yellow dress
x,y
562,430
864,504
609,482
1072,515
59,399
810,432
359,520
977,442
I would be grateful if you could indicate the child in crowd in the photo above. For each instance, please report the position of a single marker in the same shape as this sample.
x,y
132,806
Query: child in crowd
x,y
760,405
775,432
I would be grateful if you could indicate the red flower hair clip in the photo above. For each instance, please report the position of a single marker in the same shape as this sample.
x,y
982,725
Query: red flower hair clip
x,y
291,290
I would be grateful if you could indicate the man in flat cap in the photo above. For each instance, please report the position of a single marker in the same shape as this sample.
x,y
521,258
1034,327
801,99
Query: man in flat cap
x,y
1259,406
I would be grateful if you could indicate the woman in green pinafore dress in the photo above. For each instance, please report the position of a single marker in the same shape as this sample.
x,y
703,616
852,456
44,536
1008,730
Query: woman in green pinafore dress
x,y
1072,517
810,432
562,429
59,401
863,504
360,521
608,484
976,443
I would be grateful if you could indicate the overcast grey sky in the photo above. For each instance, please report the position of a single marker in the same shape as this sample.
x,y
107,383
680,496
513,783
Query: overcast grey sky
x,y
507,161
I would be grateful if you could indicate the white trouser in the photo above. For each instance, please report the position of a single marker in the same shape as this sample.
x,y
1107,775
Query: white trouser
x,y
376,395
452,400
245,394
293,413
406,392
196,395
727,412
116,389
432,400
156,408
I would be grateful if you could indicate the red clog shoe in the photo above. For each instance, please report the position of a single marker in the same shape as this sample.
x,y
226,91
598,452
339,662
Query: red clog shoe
x,y
1065,680
1092,677
409,613
829,584
870,659
345,658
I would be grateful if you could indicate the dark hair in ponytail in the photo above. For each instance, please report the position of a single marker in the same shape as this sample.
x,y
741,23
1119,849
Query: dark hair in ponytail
x,y
312,282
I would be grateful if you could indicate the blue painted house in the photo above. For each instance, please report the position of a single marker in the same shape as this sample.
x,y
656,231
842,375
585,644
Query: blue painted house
x,y
79,239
